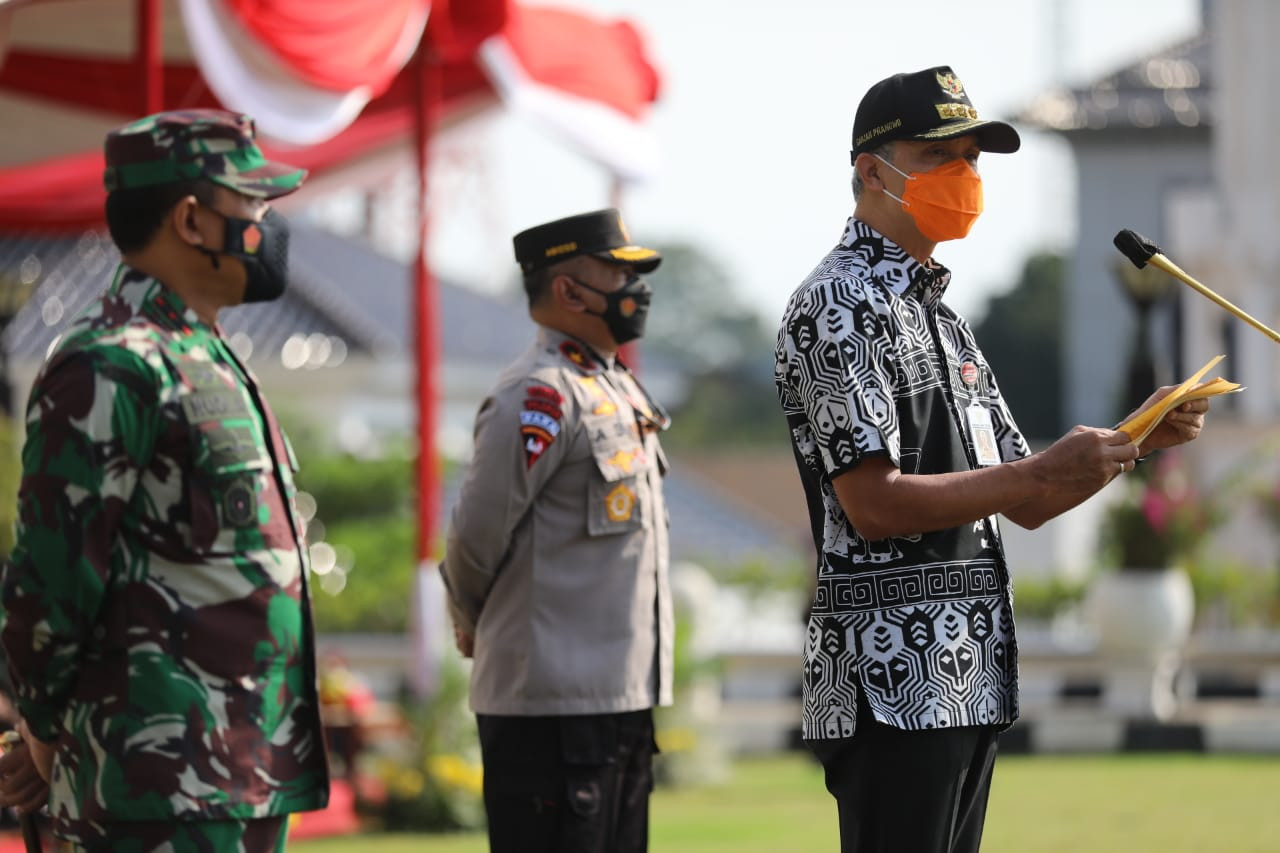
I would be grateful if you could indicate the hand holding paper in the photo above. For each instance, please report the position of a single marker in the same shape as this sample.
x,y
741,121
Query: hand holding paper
x,y
1146,420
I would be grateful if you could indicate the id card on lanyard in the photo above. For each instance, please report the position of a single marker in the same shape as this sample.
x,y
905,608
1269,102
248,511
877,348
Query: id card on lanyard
x,y
983,434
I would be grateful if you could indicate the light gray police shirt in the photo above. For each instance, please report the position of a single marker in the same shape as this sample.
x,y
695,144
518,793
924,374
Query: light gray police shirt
x,y
556,557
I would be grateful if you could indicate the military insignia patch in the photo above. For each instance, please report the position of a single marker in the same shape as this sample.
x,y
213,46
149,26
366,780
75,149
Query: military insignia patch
x,y
950,84
620,502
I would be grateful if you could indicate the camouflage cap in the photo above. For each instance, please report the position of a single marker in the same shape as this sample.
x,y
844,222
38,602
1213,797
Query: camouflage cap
x,y
186,145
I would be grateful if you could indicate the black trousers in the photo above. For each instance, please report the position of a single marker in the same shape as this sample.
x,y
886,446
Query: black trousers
x,y
909,792
577,784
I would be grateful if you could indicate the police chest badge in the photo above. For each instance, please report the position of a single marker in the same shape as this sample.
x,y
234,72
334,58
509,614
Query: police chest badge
x,y
539,421
620,503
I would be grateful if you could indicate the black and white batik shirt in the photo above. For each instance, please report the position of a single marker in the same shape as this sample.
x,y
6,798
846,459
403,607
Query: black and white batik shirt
x,y
870,361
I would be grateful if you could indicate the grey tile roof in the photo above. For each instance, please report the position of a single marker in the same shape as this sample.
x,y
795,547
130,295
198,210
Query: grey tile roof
x,y
338,289
1168,89
347,278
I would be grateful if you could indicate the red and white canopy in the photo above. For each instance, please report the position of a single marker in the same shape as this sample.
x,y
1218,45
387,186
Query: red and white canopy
x,y
329,77
303,68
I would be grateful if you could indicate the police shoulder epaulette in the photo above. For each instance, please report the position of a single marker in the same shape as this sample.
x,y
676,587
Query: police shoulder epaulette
x,y
580,358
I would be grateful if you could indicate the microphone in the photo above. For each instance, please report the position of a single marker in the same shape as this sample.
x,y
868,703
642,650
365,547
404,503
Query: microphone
x,y
1142,251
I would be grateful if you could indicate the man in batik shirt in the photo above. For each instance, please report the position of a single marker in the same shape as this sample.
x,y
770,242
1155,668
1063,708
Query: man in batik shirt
x,y
907,452
156,612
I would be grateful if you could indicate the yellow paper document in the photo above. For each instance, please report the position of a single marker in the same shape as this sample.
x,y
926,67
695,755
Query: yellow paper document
x,y
1140,425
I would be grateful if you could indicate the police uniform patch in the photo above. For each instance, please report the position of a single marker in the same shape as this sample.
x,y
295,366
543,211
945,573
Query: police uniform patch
x,y
536,443
542,392
620,502
543,399
544,407
542,420
539,421
575,353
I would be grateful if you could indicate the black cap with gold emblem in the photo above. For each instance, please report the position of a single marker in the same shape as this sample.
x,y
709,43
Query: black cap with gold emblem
x,y
599,233
929,104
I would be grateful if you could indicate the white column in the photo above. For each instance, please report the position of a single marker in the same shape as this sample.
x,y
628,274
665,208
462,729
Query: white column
x,y
1246,125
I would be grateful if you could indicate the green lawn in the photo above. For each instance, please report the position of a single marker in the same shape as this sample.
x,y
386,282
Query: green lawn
x,y
1134,804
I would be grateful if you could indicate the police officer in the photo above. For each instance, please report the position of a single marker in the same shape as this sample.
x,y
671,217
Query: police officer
x,y
556,558
157,619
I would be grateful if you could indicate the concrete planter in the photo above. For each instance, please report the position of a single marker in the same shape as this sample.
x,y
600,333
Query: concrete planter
x,y
1143,619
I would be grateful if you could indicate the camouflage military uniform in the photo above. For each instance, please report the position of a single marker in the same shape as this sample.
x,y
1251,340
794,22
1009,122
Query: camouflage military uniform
x,y
156,606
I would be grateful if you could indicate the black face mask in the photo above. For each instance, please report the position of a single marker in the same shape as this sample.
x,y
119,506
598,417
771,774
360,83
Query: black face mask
x,y
263,248
625,308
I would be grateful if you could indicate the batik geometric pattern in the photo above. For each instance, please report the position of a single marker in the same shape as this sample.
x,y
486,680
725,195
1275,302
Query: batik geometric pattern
x,y
870,361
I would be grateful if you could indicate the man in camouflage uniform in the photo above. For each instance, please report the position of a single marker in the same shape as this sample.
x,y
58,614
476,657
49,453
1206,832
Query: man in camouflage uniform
x,y
557,557
156,611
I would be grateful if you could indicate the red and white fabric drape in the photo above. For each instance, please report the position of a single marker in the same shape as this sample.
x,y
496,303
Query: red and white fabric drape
x,y
303,68
588,81
306,68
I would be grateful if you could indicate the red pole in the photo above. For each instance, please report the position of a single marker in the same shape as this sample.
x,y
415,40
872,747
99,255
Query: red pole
x,y
150,23
427,342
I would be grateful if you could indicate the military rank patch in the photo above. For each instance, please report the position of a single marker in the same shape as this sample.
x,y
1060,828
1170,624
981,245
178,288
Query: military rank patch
x,y
539,421
620,502
574,353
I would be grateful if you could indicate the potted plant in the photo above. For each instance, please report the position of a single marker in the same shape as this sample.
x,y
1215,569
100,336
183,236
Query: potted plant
x,y
1143,610
1161,521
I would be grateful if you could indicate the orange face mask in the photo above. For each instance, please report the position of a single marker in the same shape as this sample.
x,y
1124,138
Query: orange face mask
x,y
944,202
